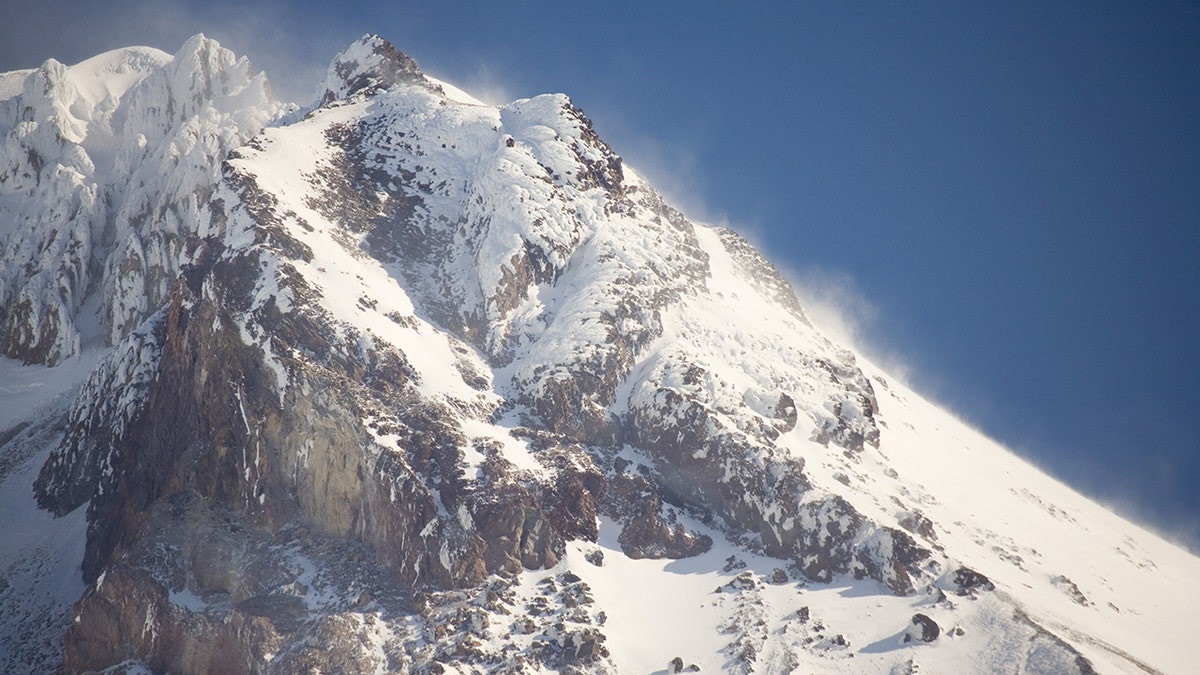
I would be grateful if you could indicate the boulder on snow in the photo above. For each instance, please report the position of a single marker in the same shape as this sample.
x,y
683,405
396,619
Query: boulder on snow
x,y
967,581
922,628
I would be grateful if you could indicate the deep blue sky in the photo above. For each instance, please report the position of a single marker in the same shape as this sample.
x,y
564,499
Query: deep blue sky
x,y
1005,199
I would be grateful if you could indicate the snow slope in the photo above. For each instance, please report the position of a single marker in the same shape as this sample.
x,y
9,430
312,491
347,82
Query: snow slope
x,y
39,562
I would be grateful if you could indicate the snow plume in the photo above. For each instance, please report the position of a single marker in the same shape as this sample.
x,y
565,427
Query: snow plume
x,y
1164,517
285,42
278,40
836,304
674,169
485,84
88,29
1182,532
675,172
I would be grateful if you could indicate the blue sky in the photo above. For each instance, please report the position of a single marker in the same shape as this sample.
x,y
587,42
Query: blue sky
x,y
1004,198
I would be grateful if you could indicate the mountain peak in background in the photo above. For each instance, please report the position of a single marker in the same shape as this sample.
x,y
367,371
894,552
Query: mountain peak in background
x,y
414,383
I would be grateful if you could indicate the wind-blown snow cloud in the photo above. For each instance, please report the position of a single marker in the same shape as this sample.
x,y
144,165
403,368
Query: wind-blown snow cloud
x,y
836,303
483,83
72,31
292,48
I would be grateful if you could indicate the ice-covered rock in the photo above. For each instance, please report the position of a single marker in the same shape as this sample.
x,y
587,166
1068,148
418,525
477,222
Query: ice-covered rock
x,y
108,167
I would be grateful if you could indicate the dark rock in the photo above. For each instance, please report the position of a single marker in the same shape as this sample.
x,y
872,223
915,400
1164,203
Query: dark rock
x,y
572,504
746,581
1071,590
635,503
853,424
968,582
837,545
285,612
918,523
517,535
923,628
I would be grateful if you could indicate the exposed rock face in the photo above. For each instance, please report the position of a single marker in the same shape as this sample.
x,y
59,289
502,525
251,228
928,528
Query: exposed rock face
x,y
370,366
967,581
646,532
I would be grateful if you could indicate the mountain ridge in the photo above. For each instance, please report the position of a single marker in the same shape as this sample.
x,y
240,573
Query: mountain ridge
x,y
467,352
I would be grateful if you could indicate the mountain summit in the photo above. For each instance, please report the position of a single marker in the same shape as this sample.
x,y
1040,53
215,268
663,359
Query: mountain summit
x,y
407,382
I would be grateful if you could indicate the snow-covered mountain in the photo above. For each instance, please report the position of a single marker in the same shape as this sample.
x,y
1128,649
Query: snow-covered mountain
x,y
406,382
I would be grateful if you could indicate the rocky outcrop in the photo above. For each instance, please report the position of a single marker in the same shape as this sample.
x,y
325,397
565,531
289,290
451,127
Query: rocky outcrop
x,y
852,424
762,273
648,528
370,64
923,629
967,582
736,476
204,590
278,451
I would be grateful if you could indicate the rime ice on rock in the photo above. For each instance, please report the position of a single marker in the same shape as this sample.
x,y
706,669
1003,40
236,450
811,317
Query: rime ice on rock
x,y
107,172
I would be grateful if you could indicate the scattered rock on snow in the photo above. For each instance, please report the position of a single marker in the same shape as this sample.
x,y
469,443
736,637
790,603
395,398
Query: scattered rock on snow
x,y
923,628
